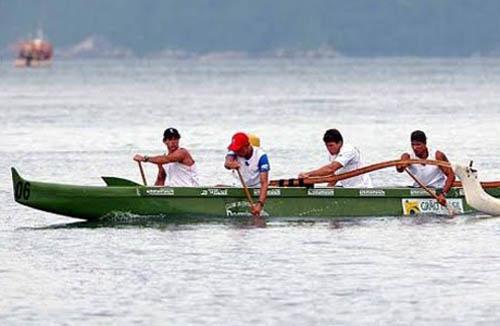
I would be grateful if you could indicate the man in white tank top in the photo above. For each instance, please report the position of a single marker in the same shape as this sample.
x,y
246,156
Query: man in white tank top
x,y
430,175
253,164
343,158
180,167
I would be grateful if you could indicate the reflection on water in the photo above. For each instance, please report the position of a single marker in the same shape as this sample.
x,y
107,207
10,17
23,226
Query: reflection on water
x,y
164,223
158,222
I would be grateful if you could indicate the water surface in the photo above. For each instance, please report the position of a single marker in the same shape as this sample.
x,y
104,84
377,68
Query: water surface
x,y
78,121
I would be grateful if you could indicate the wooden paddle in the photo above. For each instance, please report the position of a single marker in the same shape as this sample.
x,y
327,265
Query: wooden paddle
x,y
353,173
142,173
245,188
258,221
451,211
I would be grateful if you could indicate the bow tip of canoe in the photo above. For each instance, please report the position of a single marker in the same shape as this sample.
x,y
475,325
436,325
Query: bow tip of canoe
x,y
15,175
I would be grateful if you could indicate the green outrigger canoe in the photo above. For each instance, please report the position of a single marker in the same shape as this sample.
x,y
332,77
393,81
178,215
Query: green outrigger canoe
x,y
121,196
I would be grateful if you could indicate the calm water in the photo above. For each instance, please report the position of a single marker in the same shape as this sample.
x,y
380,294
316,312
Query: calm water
x,y
78,121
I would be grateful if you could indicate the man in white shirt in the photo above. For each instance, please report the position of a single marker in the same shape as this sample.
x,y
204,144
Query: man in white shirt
x,y
180,166
343,158
430,175
253,165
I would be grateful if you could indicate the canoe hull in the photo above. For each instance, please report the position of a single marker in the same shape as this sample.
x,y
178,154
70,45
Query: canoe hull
x,y
95,203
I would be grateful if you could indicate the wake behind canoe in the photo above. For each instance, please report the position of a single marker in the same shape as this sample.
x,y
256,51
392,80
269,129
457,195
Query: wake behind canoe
x,y
93,203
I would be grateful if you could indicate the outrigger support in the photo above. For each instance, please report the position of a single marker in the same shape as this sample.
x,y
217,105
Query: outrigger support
x,y
354,173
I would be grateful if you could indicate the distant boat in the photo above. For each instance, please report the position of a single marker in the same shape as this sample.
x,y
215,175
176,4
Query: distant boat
x,y
35,52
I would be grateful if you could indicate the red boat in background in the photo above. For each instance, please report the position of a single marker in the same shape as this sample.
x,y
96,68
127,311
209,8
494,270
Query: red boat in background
x,y
34,53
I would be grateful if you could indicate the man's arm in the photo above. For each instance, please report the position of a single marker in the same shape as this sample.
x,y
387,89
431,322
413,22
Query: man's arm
x,y
325,170
264,168
450,175
162,175
177,156
264,185
401,168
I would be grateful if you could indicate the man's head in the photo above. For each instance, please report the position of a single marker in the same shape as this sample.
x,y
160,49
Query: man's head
x,y
171,139
254,140
333,141
240,144
419,143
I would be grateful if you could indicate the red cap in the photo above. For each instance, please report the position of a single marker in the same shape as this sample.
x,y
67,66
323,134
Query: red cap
x,y
239,140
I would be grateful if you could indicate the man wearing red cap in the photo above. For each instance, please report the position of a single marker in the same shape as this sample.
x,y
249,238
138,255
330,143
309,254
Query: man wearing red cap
x,y
253,165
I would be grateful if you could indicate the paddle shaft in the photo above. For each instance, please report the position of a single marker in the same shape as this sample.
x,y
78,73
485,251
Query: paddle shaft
x,y
432,193
142,173
353,173
245,188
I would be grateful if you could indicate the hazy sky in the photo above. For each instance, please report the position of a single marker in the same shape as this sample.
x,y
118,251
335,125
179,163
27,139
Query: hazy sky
x,y
353,27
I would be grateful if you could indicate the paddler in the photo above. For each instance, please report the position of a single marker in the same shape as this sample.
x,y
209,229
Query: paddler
x,y
430,175
343,158
253,164
254,140
180,168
